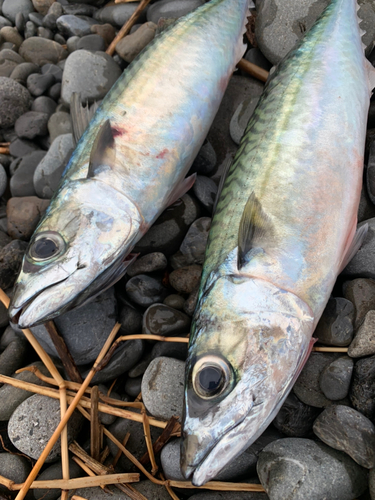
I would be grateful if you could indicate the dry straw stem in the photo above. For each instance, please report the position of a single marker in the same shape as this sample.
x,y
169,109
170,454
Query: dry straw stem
x,y
89,472
4,150
127,26
162,439
253,70
95,424
146,429
330,349
172,494
80,482
119,452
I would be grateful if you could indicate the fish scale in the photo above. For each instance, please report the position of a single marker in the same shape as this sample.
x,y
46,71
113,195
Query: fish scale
x,y
284,227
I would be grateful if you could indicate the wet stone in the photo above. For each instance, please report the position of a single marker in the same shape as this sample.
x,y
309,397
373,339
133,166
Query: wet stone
x,y
42,51
141,366
38,84
79,9
298,469
163,387
363,343
33,423
336,377
361,292
295,419
362,390
145,290
31,124
14,101
307,387
335,326
131,320
205,190
160,319
10,262
194,245
186,279
91,42
177,350
346,429
175,301
75,25
14,467
23,216
155,261
133,386
168,232
130,46
171,9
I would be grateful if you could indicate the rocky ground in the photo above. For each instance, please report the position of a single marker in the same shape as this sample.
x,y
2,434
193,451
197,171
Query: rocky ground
x,y
322,442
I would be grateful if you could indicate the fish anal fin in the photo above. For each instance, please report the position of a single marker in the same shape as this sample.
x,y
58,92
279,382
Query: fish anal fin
x,y
354,246
254,225
103,152
80,115
181,188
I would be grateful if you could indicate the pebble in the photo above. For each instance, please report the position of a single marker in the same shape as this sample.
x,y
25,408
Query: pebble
x,y
186,279
4,240
146,488
241,117
297,469
44,104
33,423
130,46
106,31
14,467
30,30
133,386
152,262
336,377
48,173
22,71
295,419
42,51
55,472
4,22
22,147
3,180
230,495
175,301
116,15
163,387
12,397
55,91
362,264
363,343
91,74
11,35
346,429
7,67
177,350
361,292
11,8
160,319
79,9
31,124
38,84
255,56
21,183
45,32
145,290
70,25
191,303
52,69
42,6
205,160
13,357
335,326
366,209
171,9
36,18
372,483
131,320
10,262
205,190
14,101
362,390
91,42
168,232
59,123
307,387
141,366
23,216
194,245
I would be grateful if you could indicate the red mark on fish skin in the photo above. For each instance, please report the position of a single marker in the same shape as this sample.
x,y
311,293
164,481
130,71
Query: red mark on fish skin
x,y
162,154
117,131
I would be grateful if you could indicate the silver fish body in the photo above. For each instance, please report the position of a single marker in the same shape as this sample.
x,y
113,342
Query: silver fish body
x,y
131,162
284,227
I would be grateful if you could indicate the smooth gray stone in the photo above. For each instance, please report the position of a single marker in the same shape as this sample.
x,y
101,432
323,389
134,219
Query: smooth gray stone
x,y
70,25
255,56
229,495
133,386
362,390
15,100
372,484
295,419
10,261
160,319
12,397
91,74
30,30
136,443
13,357
23,216
72,43
175,301
55,91
281,23
297,469
21,183
44,104
124,358
3,180
335,326
4,22
4,319
14,467
347,430
205,189
363,343
59,124
145,290
36,18
131,320
205,160
168,232
7,67
336,377
361,293
362,264
22,71
11,8
370,173
307,387
177,350
48,173
147,488
163,387
45,32
33,423
241,118
31,124
52,69
79,9
91,42
130,46
117,15
38,84
42,51
141,366
10,55
186,279
7,337
171,9
106,418
194,245
149,263
55,472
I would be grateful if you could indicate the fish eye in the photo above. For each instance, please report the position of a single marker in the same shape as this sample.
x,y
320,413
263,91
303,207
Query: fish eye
x,y
46,246
211,376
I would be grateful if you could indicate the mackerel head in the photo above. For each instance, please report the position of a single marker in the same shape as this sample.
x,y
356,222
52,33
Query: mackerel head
x,y
284,227
130,163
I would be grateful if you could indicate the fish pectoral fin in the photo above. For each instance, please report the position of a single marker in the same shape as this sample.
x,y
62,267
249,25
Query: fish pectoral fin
x,y
181,188
254,226
80,115
354,246
103,151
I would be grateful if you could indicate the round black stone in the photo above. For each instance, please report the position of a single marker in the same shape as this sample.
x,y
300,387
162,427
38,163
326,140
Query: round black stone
x,y
210,379
44,248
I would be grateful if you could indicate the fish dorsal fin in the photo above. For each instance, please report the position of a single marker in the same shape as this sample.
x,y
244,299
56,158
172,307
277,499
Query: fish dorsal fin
x,y
228,163
80,116
254,225
103,151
